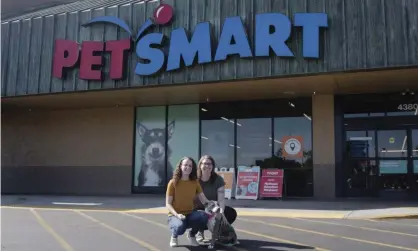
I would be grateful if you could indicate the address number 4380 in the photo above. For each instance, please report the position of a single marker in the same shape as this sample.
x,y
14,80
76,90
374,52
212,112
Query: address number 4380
x,y
407,107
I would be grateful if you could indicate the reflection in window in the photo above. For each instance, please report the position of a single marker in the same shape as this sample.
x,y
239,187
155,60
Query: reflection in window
x,y
217,140
360,144
393,167
415,171
183,122
361,174
297,132
415,143
254,136
392,143
253,141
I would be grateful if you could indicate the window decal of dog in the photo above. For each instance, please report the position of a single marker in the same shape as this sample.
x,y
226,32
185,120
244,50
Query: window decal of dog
x,y
153,155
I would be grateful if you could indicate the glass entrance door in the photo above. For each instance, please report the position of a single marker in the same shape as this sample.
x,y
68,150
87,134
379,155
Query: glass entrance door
x,y
393,160
360,163
397,154
414,158
382,162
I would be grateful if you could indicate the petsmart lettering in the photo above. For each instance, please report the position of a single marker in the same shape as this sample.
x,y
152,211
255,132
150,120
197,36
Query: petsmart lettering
x,y
157,53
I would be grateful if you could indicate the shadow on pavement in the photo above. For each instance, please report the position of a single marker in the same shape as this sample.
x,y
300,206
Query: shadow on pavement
x,y
268,245
253,245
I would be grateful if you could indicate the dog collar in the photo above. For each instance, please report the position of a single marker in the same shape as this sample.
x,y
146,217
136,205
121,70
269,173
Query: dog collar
x,y
210,215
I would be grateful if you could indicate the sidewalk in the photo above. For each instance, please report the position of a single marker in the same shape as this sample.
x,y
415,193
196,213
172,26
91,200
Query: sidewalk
x,y
154,204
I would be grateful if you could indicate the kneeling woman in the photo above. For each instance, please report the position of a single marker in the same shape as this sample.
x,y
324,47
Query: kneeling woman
x,y
181,191
213,187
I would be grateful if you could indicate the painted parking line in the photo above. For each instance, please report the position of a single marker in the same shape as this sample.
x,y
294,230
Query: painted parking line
x,y
327,234
49,229
46,208
236,229
164,226
392,223
357,227
130,237
77,203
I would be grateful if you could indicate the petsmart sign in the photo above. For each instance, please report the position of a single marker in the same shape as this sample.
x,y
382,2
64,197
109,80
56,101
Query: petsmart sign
x,y
155,52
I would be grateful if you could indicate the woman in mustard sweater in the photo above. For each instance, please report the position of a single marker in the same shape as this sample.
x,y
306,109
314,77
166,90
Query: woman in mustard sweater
x,y
181,190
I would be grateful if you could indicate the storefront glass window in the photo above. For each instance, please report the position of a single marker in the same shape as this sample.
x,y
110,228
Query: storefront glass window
x,y
293,150
217,135
150,154
242,134
183,134
392,143
253,141
361,144
218,141
415,149
293,141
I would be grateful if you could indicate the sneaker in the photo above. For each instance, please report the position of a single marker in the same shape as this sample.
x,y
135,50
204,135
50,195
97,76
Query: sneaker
x,y
192,240
200,237
174,242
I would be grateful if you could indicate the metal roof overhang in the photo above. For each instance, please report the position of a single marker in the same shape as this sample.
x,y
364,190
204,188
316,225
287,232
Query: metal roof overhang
x,y
24,9
381,81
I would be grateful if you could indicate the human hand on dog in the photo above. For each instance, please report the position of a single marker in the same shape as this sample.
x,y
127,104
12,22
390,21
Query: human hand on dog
x,y
181,216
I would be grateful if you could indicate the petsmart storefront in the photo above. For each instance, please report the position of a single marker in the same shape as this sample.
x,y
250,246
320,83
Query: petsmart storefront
x,y
292,98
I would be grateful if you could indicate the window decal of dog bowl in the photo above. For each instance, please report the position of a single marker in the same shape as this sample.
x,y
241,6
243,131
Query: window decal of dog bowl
x,y
253,187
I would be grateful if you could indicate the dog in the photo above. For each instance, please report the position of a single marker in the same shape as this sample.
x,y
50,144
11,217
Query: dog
x,y
153,155
222,232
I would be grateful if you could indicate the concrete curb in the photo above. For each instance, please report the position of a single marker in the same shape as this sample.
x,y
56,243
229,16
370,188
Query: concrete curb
x,y
307,214
394,217
388,213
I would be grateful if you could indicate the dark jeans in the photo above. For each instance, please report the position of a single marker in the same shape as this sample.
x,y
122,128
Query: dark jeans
x,y
195,220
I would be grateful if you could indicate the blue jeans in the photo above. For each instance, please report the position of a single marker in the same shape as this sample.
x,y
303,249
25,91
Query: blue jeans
x,y
195,220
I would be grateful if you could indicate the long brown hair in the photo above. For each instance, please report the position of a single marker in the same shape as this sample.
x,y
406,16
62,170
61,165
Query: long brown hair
x,y
213,174
178,173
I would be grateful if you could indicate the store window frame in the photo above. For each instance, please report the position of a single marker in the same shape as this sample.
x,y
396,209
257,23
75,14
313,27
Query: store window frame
x,y
159,189
376,125
147,190
371,191
305,101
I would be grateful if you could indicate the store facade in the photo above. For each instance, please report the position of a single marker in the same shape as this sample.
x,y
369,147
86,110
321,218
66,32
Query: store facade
x,y
107,100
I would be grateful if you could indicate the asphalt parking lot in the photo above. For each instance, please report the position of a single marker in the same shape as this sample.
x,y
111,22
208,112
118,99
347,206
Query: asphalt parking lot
x,y
28,229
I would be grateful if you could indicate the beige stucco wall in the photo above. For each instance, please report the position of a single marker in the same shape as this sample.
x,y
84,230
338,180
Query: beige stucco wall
x,y
323,146
87,137
71,144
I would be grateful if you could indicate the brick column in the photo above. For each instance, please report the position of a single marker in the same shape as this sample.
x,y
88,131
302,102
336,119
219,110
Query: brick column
x,y
323,146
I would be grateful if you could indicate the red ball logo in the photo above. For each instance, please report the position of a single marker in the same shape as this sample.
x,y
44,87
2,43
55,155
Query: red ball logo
x,y
163,14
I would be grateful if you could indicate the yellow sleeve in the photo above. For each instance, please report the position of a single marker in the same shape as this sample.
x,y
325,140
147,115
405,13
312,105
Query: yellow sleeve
x,y
170,188
198,187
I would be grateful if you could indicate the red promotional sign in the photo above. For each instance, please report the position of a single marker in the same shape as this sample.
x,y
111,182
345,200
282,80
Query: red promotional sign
x,y
247,184
271,183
